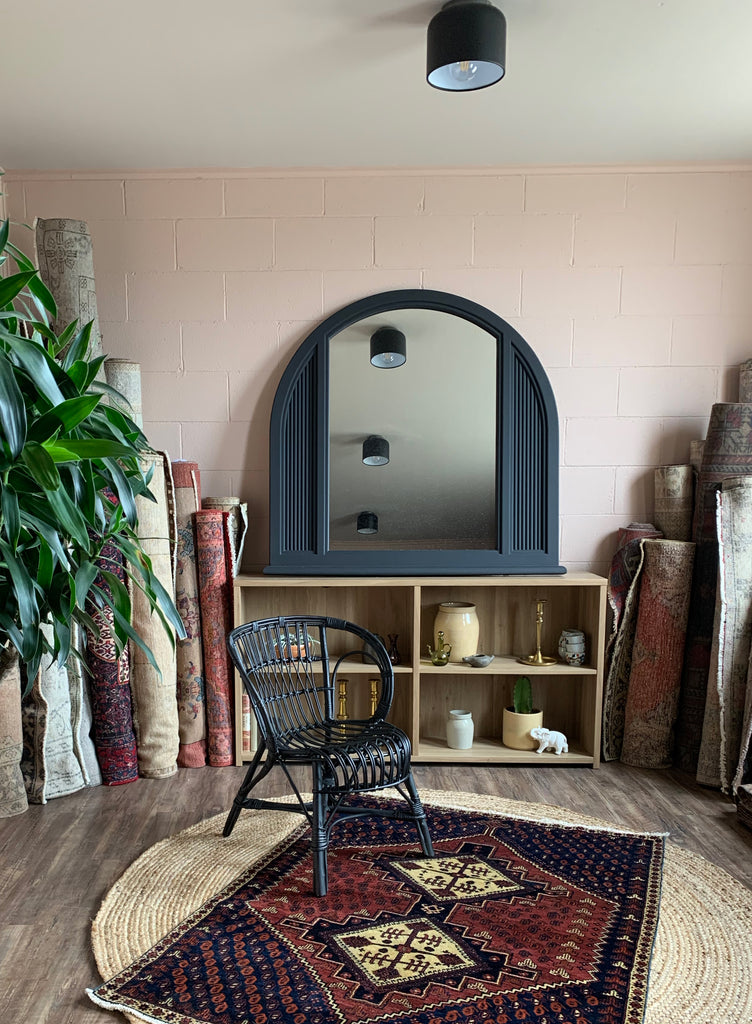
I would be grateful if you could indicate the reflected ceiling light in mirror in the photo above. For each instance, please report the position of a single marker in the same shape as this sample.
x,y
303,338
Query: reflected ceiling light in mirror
x,y
368,522
388,348
375,451
467,42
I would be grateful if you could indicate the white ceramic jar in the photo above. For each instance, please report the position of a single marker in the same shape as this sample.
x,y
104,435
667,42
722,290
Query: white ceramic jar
x,y
460,728
459,622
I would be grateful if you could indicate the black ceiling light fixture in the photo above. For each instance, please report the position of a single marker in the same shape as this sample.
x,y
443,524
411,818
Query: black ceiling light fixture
x,y
466,46
388,348
375,451
368,522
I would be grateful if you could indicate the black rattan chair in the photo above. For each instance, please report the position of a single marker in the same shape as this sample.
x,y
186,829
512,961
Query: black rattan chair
x,y
289,667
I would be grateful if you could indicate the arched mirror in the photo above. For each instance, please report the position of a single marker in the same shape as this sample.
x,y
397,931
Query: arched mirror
x,y
414,432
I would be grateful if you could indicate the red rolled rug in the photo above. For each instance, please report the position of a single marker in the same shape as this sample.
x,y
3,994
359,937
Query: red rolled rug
x,y
190,659
215,596
657,654
623,593
114,738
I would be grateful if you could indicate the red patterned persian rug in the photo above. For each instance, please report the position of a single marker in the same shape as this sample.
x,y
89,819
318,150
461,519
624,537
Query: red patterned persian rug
x,y
658,653
512,920
215,597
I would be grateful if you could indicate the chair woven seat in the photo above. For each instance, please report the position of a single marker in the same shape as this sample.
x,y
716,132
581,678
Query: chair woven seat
x,y
360,755
289,666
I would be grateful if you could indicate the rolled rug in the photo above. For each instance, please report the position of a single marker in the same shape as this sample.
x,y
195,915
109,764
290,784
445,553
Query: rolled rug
x,y
13,799
189,653
237,525
125,377
622,593
745,381
728,694
657,654
110,688
50,765
155,708
674,501
66,265
215,596
624,563
83,721
727,453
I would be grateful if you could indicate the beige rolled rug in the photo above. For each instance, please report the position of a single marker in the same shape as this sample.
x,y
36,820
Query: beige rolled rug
x,y
13,799
65,256
674,501
723,740
50,765
190,657
237,525
155,707
125,377
83,718
657,654
745,381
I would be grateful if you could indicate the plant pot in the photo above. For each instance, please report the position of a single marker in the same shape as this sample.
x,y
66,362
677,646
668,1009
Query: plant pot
x,y
516,729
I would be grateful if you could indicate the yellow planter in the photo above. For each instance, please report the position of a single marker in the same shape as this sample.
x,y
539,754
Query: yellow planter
x,y
516,729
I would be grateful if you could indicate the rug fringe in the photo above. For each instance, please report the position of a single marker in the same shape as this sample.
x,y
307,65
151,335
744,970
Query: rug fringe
x,y
127,1010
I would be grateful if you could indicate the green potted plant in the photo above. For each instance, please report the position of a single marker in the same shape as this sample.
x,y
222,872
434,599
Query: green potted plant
x,y
520,717
69,474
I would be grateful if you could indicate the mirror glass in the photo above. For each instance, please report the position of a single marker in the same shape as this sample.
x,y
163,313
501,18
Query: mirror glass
x,y
437,412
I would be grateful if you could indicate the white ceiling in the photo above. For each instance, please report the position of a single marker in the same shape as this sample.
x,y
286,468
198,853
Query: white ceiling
x,y
341,83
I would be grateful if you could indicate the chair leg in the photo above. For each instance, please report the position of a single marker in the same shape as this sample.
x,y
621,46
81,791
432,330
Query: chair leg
x,y
250,780
420,816
319,836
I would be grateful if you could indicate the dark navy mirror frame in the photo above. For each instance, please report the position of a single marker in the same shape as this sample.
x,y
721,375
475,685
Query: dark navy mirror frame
x,y
527,459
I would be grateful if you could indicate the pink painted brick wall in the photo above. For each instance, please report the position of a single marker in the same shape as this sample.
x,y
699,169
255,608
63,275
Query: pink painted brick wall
x,y
634,287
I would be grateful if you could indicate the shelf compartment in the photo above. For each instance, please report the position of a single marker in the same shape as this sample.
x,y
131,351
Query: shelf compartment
x,y
491,751
506,664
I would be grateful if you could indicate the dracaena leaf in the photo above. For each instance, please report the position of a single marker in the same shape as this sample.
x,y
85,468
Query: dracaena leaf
x,y
12,408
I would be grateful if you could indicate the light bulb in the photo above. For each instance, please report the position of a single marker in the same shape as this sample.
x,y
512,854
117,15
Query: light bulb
x,y
463,71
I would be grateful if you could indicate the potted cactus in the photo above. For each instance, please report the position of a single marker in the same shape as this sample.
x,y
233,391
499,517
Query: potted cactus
x,y
520,717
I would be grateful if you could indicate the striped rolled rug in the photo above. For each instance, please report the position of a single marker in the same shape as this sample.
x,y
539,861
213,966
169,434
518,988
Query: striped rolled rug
x,y
657,654
189,653
724,742
727,452
215,587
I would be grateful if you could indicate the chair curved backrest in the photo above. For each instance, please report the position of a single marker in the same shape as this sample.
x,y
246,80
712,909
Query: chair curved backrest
x,y
289,666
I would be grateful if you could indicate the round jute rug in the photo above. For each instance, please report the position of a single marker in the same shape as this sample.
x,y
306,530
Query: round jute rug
x,y
702,964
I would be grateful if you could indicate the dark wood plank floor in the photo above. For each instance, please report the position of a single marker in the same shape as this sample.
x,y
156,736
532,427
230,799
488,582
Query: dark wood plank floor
x,y
58,861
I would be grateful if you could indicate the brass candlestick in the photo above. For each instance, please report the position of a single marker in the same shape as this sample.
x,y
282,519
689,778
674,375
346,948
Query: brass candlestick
x,y
374,684
342,700
538,658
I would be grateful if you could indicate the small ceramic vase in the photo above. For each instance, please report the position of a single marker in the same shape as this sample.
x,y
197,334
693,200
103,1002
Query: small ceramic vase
x,y
460,729
458,620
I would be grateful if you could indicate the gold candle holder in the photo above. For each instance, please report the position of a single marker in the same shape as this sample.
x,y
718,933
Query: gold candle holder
x,y
538,658
342,700
374,695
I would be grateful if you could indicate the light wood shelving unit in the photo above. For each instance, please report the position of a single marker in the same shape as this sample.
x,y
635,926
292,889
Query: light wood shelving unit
x,y
570,698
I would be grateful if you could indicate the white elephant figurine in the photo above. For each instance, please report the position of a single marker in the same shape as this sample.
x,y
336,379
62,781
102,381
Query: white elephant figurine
x,y
548,739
